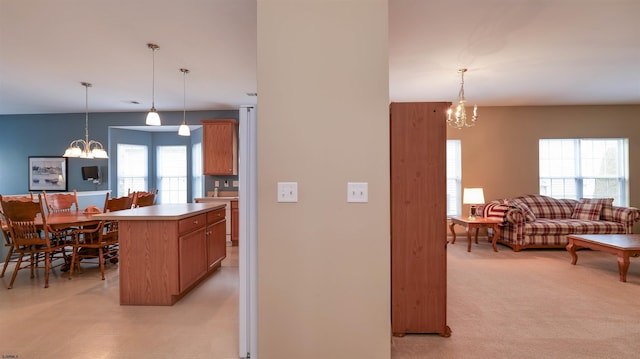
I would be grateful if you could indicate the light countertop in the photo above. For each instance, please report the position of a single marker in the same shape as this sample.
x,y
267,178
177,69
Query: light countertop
x,y
213,199
161,212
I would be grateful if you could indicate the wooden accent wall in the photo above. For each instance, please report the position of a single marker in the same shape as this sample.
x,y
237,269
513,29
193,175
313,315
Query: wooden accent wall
x,y
418,218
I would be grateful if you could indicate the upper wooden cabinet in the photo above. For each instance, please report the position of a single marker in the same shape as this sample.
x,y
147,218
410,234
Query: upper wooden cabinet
x,y
220,147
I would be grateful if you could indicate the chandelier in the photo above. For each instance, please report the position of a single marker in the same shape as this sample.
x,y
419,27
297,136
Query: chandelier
x,y
184,130
460,119
153,119
85,148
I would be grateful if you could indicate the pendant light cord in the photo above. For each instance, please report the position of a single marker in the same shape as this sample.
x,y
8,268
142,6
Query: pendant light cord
x,y
86,110
184,94
153,78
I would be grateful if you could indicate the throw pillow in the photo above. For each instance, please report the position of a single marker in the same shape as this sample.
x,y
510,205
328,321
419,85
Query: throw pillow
x,y
529,216
606,213
587,211
495,210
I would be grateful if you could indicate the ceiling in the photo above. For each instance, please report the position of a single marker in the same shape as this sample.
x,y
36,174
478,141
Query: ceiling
x,y
518,52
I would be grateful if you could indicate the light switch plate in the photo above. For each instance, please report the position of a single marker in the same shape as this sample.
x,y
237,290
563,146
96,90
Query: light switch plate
x,y
358,192
287,191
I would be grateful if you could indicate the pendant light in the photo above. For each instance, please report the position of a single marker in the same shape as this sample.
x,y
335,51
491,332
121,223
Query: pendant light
x,y
153,119
85,148
184,128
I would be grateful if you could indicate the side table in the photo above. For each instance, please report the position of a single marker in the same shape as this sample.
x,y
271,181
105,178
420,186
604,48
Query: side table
x,y
476,223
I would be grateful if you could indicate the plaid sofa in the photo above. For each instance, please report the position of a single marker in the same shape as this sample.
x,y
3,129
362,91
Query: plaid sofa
x,y
536,221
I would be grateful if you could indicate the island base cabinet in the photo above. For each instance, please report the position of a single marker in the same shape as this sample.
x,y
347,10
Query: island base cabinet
x,y
153,281
162,260
216,238
193,260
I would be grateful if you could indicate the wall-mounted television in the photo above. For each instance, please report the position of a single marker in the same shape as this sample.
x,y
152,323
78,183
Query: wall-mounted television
x,y
90,173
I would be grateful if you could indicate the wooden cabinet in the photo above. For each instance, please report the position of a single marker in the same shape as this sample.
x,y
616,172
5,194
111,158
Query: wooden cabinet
x,y
418,218
165,250
235,224
216,238
193,263
220,147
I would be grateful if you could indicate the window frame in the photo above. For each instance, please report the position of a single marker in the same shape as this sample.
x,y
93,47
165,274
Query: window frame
x,y
577,173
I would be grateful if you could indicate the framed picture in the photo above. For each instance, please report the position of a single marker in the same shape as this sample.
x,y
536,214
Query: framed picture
x,y
47,173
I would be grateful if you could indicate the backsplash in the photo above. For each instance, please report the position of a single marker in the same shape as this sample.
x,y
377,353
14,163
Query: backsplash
x,y
225,183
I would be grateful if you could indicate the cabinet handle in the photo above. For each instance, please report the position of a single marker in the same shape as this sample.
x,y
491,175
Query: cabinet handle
x,y
195,222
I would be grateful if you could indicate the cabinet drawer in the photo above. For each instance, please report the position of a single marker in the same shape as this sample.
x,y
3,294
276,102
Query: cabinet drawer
x,y
189,224
216,216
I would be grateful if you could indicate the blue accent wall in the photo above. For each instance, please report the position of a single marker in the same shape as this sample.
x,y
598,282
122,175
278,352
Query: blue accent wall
x,y
50,134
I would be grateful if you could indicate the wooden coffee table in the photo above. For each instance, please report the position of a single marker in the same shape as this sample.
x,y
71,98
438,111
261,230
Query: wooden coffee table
x,y
622,245
476,223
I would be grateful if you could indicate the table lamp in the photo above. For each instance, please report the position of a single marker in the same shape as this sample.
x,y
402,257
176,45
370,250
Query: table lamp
x,y
473,196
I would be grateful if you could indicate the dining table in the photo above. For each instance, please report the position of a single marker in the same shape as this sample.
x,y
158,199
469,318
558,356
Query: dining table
x,y
63,221
73,219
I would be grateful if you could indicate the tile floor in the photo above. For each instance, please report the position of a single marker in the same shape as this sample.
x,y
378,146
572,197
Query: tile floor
x,y
82,318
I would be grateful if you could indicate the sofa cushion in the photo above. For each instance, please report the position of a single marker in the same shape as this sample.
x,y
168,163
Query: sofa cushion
x,y
529,216
543,226
549,207
589,211
606,214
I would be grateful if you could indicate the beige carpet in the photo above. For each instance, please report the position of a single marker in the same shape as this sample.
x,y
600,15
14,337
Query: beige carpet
x,y
533,304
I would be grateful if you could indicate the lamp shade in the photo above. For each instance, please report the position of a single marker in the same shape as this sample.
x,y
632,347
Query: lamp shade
x,y
153,119
184,130
473,196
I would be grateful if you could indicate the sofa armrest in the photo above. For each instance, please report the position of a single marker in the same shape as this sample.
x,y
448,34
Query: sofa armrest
x,y
627,216
499,210
516,216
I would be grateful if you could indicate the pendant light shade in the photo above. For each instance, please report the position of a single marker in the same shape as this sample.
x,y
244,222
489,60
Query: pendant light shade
x,y
153,119
184,128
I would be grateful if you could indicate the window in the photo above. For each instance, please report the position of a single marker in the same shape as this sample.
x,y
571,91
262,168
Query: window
x,y
132,168
172,174
585,168
454,178
197,179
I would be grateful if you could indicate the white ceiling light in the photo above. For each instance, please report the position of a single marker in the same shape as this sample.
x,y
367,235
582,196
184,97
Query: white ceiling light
x,y
85,148
184,128
153,119
460,119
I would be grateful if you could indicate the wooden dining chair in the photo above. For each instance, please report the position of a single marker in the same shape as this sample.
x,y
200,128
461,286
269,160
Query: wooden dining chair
x,y
143,199
101,242
5,232
61,202
32,243
117,204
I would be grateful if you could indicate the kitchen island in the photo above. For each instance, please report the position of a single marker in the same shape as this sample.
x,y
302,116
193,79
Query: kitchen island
x,y
233,224
166,250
